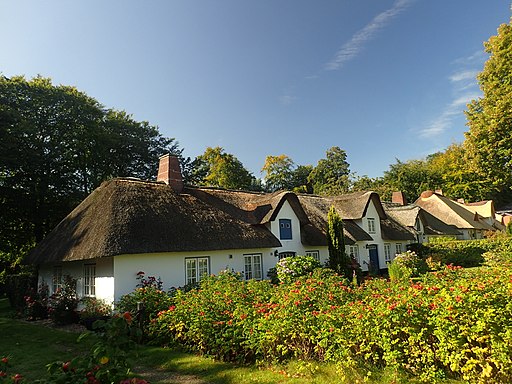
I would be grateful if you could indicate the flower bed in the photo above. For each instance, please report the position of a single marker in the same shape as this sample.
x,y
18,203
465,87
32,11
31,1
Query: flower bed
x,y
452,323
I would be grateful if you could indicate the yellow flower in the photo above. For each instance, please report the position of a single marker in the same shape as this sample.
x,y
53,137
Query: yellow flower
x,y
104,360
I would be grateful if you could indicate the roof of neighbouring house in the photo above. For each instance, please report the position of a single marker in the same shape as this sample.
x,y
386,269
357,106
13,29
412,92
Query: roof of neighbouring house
x,y
126,216
451,212
407,215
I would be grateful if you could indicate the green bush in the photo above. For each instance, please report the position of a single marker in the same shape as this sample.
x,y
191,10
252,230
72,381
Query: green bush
x,y
289,269
63,304
455,323
146,301
406,265
465,253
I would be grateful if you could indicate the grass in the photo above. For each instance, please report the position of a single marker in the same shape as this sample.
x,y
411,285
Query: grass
x,y
30,347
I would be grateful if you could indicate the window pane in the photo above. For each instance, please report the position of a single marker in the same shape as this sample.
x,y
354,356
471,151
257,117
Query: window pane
x,y
89,280
257,267
191,271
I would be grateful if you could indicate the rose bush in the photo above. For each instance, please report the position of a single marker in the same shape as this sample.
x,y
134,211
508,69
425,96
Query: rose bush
x,y
451,323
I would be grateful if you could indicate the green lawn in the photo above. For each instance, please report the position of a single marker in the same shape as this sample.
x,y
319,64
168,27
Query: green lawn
x,y
30,347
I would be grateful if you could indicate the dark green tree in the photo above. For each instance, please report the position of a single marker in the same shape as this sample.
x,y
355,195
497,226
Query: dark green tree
x,y
56,145
338,259
331,175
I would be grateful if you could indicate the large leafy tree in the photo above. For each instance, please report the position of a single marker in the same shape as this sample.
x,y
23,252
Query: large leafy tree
x,y
56,145
216,168
489,139
278,172
331,176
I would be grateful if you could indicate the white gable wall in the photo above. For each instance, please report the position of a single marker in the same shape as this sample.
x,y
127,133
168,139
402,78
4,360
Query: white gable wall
x,y
295,244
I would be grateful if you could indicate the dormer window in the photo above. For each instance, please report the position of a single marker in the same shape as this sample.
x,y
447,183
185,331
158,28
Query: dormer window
x,y
285,229
371,225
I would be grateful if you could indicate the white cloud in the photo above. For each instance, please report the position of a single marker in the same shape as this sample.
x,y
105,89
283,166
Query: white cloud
x,y
464,76
351,49
443,122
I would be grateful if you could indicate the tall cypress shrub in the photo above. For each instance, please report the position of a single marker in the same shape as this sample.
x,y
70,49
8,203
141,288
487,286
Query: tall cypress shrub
x,y
338,259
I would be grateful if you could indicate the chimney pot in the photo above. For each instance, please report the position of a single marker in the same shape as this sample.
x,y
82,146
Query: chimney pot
x,y
399,198
426,194
169,172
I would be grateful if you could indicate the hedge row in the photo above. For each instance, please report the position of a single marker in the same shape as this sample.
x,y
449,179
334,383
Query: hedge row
x,y
453,323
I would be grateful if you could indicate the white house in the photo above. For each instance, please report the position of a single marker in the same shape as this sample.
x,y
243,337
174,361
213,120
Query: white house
x,y
179,233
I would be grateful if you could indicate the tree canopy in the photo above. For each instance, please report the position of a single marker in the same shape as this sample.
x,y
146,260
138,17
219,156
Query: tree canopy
x,y
56,145
216,168
489,138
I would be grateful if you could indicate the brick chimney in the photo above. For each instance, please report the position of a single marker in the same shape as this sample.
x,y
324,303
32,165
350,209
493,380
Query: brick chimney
x,y
399,198
426,194
169,172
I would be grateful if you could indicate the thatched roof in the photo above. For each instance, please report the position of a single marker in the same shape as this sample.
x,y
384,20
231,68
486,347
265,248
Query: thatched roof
x,y
391,230
451,212
126,216
406,215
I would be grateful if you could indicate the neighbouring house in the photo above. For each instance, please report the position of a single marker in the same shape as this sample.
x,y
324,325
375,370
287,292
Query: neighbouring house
x,y
504,214
472,220
179,233
421,223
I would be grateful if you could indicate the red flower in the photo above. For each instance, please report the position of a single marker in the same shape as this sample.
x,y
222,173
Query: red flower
x,y
127,316
65,366
5,360
17,378
3,374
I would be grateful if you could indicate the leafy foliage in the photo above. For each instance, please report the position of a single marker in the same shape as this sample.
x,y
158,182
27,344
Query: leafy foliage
x,y
454,323
489,139
338,261
331,175
289,269
56,145
217,168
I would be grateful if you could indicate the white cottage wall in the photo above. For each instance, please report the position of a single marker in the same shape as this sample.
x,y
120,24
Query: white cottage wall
x,y
170,267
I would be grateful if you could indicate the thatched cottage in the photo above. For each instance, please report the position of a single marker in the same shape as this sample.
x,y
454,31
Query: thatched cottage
x,y
179,233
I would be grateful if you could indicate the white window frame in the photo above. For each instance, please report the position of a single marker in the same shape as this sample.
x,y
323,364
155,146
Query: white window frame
x,y
398,248
387,252
354,251
196,268
57,278
90,280
253,266
371,225
284,254
314,254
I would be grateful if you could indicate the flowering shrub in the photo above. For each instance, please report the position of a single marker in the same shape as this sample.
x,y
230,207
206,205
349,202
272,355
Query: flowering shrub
x,y
149,293
405,265
454,323
290,268
215,319
36,304
63,304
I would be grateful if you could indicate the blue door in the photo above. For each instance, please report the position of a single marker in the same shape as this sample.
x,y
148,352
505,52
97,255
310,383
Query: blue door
x,y
374,259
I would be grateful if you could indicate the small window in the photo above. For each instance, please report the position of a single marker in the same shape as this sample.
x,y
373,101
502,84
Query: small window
x,y
285,229
253,267
353,252
57,278
398,248
371,225
314,254
387,253
195,269
90,280
282,255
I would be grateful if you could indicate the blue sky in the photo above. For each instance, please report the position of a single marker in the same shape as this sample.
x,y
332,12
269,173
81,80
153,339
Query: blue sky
x,y
381,79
